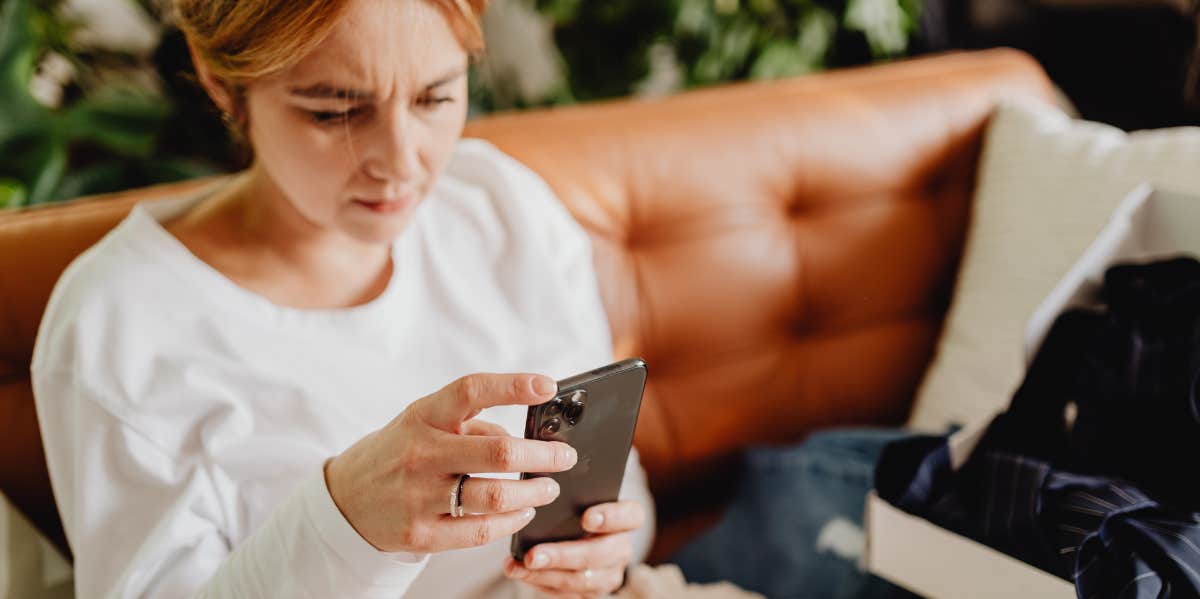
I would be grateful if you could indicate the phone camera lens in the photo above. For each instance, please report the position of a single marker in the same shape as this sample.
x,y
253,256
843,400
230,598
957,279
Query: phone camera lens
x,y
554,407
550,428
573,410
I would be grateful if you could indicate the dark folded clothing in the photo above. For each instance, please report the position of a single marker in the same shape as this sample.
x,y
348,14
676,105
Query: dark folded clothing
x,y
1090,473
1130,372
1106,535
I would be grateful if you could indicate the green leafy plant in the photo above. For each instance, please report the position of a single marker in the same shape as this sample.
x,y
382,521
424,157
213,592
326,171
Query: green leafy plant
x,y
608,45
106,133
101,137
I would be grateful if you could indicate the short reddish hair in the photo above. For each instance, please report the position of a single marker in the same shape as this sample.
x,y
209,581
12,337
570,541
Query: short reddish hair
x,y
243,40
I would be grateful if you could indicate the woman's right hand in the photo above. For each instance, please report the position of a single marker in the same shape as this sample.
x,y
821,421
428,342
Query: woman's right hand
x,y
393,485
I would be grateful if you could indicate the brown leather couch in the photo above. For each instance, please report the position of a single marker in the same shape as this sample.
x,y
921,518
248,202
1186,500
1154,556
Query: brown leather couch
x,y
780,253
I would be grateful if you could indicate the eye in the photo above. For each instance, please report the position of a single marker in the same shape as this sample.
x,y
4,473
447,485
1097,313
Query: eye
x,y
434,101
333,117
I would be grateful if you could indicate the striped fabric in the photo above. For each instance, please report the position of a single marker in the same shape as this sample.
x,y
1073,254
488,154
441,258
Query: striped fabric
x,y
1107,496
1106,535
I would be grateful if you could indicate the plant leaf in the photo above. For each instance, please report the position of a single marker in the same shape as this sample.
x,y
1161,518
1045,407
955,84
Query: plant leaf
x,y
95,178
779,59
12,193
123,120
176,169
53,158
884,22
18,47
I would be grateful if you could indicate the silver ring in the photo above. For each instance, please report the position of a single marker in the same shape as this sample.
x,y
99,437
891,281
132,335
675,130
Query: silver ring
x,y
456,499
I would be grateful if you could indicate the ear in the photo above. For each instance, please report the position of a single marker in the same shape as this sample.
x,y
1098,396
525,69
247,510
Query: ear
x,y
215,86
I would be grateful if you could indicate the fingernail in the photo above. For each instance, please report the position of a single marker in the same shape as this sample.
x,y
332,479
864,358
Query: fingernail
x,y
594,520
572,455
544,386
552,488
540,560
528,513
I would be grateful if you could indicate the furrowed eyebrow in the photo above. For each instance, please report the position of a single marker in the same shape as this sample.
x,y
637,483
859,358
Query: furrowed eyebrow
x,y
447,78
328,91
325,90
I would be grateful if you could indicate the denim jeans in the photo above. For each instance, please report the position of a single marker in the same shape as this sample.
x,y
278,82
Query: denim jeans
x,y
794,529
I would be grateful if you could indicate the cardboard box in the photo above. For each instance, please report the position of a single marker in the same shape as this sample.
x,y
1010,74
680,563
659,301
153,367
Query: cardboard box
x,y
934,562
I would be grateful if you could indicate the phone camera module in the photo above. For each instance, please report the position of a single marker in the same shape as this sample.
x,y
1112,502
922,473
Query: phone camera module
x,y
573,408
550,428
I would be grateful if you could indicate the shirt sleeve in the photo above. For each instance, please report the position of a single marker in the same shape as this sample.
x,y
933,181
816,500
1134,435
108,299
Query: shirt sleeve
x,y
634,487
145,523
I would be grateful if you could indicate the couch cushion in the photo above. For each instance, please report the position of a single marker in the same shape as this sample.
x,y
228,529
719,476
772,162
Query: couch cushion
x,y
1047,185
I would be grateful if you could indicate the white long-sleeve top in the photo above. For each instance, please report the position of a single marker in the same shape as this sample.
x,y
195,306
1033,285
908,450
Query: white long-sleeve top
x,y
186,419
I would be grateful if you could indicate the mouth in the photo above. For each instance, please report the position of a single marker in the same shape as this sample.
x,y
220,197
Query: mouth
x,y
385,205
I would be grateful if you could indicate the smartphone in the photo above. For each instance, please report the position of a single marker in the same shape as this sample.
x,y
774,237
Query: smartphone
x,y
596,413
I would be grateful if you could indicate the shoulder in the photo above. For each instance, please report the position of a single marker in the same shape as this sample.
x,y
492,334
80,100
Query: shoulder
x,y
482,179
544,249
99,293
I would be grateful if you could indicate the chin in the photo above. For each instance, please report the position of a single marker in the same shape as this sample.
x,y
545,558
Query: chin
x,y
381,233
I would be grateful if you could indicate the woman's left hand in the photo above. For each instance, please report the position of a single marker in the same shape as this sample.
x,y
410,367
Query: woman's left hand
x,y
593,566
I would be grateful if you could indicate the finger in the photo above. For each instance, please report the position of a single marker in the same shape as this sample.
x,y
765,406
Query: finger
x,y
473,530
483,428
463,399
601,551
617,516
544,592
594,581
468,453
556,594
497,496
515,571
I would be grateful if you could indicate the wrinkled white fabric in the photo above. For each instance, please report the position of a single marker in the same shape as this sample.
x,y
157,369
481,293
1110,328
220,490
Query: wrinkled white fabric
x,y
666,582
186,419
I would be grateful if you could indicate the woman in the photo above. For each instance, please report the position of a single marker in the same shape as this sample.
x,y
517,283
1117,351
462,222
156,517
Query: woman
x,y
247,393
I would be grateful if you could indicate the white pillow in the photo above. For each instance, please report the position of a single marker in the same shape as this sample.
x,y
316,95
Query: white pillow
x,y
30,568
1046,186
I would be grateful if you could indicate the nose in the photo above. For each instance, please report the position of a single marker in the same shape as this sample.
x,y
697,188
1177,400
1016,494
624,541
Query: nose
x,y
391,154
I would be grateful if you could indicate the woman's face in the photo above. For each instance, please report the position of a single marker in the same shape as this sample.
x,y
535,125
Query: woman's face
x,y
355,134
